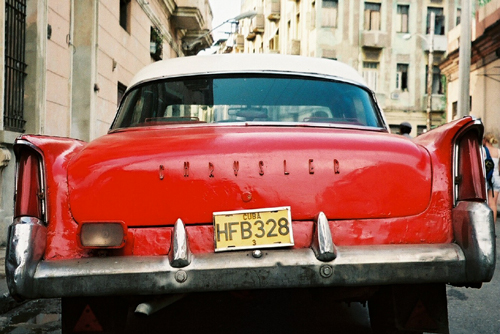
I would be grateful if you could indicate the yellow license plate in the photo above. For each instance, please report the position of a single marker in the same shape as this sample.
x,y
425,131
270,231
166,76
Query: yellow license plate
x,y
260,228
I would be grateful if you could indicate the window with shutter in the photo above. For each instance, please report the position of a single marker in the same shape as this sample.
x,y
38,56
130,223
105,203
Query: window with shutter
x,y
372,16
329,13
402,18
370,74
15,65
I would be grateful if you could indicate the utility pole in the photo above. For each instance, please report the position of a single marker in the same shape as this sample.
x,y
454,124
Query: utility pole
x,y
464,60
430,68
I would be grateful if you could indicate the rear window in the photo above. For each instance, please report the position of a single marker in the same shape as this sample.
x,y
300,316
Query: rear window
x,y
247,99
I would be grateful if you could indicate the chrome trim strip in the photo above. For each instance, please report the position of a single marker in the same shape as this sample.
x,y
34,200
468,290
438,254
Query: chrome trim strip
x,y
456,182
269,124
323,245
474,231
180,255
26,246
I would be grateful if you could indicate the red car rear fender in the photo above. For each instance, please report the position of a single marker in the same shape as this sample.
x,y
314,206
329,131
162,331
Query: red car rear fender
x,y
55,154
456,153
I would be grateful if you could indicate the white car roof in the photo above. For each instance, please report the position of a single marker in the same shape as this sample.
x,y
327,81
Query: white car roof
x,y
244,63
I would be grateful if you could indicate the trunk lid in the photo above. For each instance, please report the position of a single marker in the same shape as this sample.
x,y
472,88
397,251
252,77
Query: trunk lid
x,y
153,176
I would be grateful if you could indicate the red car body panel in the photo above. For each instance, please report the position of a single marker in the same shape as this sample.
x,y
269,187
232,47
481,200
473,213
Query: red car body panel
x,y
139,177
409,214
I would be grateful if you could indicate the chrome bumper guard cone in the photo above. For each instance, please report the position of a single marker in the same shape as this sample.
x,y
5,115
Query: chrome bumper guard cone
x,y
470,260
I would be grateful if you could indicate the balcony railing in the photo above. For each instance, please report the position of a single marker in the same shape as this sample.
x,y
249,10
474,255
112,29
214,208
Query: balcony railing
x,y
239,42
257,25
191,15
438,102
440,43
374,39
273,10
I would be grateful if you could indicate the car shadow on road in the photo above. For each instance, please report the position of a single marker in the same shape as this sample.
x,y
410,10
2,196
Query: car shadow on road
x,y
265,311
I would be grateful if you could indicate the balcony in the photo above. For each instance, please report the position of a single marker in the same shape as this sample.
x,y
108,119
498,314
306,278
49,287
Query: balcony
x,y
257,24
294,47
273,10
438,102
192,18
239,42
374,39
440,43
256,27
189,15
251,36
195,41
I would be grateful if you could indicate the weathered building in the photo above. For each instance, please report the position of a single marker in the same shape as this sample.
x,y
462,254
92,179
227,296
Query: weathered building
x,y
387,41
66,64
484,67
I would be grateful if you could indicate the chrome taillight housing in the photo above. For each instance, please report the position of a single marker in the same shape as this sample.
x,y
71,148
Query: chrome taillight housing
x,y
469,172
29,198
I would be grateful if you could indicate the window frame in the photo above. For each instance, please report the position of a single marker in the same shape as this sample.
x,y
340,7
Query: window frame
x,y
156,100
437,85
124,15
373,16
403,18
329,13
15,65
439,20
371,74
402,77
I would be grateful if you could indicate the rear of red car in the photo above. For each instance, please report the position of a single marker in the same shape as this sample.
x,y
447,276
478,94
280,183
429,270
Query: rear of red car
x,y
247,180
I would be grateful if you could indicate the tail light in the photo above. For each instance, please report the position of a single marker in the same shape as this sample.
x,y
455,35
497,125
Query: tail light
x,y
30,191
469,173
102,235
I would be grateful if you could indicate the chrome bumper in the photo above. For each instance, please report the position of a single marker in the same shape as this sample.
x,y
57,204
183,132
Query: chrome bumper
x,y
470,260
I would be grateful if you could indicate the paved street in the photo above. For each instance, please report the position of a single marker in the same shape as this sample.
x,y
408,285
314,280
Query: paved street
x,y
470,311
477,310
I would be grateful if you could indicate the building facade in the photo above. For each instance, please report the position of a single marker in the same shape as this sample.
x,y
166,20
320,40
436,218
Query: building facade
x,y
67,63
484,69
387,41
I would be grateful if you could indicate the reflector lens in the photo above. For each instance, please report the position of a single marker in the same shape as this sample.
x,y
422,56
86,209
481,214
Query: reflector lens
x,y
102,235
471,182
28,197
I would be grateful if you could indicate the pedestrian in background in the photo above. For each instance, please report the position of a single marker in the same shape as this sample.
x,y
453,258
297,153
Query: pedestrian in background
x,y
405,129
490,142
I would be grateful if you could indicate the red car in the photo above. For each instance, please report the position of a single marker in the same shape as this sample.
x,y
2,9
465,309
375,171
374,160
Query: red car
x,y
251,172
